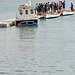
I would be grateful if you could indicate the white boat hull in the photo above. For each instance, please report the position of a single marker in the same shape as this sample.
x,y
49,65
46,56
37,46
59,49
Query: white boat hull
x,y
66,13
48,16
41,16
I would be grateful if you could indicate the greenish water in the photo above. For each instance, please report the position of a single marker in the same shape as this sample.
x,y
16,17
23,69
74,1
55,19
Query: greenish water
x,y
48,49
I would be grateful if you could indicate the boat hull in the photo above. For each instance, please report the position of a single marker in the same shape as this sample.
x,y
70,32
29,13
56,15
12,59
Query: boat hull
x,y
26,22
67,13
41,16
50,16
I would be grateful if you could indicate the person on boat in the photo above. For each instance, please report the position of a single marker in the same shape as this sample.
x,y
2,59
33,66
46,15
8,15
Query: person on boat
x,y
39,9
45,8
41,5
63,4
60,6
52,7
72,7
55,6
48,7
36,8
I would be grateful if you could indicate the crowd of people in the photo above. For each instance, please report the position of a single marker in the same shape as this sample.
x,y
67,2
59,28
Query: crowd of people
x,y
54,7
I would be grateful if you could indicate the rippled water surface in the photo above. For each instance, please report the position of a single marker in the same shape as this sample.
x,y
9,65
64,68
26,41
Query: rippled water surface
x,y
48,49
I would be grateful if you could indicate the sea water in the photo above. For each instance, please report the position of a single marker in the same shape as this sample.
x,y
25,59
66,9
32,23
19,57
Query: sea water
x,y
48,49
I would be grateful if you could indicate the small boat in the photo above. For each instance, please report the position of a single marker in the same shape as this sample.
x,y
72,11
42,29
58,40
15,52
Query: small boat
x,y
48,16
66,13
26,16
51,16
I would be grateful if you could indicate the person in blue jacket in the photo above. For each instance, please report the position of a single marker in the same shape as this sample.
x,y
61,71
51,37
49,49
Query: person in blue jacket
x,y
63,4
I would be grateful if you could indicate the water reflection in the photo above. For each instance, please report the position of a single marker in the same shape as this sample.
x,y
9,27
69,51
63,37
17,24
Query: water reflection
x,y
27,36
27,32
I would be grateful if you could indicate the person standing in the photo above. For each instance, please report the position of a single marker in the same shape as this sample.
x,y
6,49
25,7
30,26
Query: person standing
x,y
72,6
60,5
52,7
36,8
48,7
63,4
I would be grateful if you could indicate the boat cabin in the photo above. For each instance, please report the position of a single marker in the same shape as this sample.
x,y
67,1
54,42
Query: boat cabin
x,y
26,12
